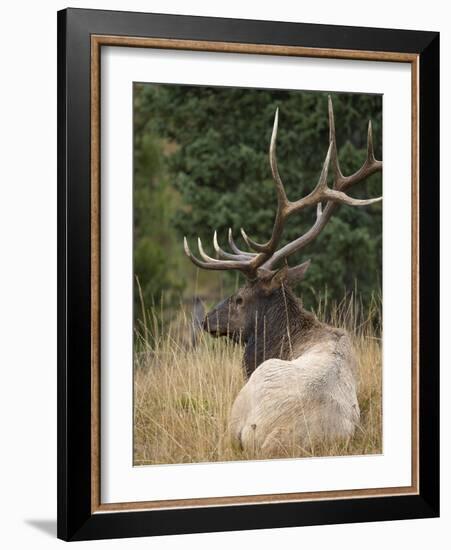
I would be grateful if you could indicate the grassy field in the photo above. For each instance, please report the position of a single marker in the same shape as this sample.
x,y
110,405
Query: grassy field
x,y
183,395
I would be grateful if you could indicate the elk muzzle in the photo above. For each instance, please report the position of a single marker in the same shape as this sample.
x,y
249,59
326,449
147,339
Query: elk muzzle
x,y
217,321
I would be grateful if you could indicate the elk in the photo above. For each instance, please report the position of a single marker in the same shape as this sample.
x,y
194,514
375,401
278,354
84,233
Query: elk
x,y
301,372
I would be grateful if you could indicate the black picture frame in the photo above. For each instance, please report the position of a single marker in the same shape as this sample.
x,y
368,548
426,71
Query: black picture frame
x,y
76,520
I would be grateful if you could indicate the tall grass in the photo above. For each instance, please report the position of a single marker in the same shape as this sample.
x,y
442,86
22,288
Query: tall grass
x,y
183,394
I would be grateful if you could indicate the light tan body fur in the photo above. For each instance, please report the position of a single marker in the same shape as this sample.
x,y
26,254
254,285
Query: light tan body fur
x,y
310,398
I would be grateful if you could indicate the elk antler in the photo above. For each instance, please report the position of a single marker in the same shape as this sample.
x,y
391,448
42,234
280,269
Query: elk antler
x,y
266,256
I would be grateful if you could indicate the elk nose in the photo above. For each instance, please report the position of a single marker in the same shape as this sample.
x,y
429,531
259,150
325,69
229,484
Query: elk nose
x,y
205,323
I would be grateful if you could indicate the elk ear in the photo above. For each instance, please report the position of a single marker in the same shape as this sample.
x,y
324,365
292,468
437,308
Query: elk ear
x,y
296,274
278,278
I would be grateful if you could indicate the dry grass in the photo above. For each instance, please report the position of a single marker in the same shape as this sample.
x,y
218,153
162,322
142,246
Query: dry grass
x,y
183,395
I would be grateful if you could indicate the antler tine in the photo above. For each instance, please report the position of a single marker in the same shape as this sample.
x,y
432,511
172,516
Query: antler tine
x,y
319,210
281,194
369,167
234,247
321,186
203,254
333,139
211,263
319,193
226,255
193,258
370,148
282,201
330,110
341,198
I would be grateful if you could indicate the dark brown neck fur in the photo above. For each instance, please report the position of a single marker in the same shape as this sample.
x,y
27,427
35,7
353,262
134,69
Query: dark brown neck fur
x,y
278,329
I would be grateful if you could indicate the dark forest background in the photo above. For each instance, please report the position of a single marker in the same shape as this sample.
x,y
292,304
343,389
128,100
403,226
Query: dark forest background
x,y
201,163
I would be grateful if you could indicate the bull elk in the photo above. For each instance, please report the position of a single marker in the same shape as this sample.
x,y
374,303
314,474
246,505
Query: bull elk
x,y
301,372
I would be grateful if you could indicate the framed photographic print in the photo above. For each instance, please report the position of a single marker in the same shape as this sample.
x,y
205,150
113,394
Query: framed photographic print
x,y
248,274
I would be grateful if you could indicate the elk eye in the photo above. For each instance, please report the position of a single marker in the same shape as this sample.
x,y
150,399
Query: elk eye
x,y
239,301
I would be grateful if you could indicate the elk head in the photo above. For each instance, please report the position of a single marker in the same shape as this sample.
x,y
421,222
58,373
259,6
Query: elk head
x,y
239,316
266,296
